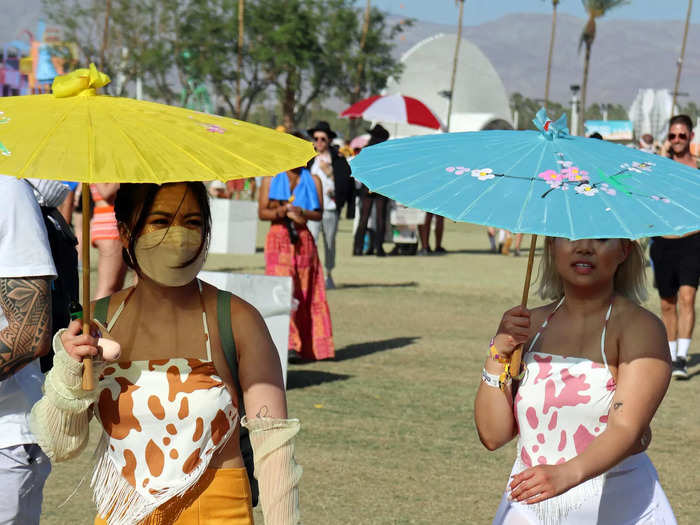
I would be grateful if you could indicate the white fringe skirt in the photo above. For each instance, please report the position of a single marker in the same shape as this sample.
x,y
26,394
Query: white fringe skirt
x,y
628,494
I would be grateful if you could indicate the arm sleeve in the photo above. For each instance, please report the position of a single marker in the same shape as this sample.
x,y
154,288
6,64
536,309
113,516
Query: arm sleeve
x,y
276,469
60,419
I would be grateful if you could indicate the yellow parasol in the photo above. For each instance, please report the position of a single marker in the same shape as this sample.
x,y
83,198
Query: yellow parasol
x,y
78,135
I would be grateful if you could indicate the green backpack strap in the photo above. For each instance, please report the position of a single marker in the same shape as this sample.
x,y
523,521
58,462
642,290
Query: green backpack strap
x,y
223,313
99,312
228,344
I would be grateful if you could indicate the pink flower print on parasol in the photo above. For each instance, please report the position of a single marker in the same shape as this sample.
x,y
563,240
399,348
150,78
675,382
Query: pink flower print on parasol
x,y
574,174
457,170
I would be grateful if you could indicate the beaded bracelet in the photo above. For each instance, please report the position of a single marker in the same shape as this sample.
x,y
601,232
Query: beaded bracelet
x,y
493,352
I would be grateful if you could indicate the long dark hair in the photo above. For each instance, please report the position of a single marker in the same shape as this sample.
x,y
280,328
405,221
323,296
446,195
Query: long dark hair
x,y
133,204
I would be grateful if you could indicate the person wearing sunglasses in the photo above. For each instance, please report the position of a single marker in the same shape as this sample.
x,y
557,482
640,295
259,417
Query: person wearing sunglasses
x,y
338,188
676,262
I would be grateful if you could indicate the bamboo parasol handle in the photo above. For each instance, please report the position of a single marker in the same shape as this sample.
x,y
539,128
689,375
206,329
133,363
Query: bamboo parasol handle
x,y
518,352
87,313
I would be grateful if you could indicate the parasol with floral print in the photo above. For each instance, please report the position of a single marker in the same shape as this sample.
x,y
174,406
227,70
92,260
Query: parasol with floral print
x,y
542,182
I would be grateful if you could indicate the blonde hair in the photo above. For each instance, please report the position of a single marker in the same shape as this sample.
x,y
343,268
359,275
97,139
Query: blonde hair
x,y
629,280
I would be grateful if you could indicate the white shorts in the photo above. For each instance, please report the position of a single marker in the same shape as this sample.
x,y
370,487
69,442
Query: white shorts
x,y
632,495
23,472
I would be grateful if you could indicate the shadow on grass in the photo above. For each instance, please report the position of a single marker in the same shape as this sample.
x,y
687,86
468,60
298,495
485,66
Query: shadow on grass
x,y
239,269
409,284
304,378
372,347
693,359
523,252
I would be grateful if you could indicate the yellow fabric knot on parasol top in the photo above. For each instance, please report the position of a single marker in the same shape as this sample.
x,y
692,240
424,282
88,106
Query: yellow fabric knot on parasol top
x,y
79,83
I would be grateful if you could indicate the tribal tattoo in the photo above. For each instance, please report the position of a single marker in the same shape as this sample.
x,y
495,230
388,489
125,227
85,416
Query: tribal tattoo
x,y
26,303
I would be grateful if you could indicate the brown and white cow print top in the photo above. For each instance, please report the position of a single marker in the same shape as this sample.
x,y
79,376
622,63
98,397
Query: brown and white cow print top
x,y
164,420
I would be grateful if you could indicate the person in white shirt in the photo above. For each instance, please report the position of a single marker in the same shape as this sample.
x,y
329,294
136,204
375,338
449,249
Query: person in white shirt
x,y
26,272
330,167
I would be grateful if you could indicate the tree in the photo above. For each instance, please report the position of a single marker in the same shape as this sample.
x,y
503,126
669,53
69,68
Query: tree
x,y
692,110
147,30
365,58
182,48
615,112
555,3
527,108
595,10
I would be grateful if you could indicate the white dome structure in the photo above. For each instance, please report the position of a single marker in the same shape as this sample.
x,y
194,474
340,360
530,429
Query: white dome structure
x,y
479,96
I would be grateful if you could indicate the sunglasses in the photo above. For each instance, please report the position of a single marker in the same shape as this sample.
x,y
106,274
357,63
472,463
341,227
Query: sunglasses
x,y
320,138
681,136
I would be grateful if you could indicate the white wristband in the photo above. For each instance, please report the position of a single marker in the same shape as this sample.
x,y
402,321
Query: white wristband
x,y
491,380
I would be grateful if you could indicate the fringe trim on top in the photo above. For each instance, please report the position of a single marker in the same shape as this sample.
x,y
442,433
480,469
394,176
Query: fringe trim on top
x,y
119,503
554,511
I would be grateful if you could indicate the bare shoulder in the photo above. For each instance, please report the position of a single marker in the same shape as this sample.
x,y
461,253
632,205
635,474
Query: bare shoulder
x,y
242,311
539,315
641,333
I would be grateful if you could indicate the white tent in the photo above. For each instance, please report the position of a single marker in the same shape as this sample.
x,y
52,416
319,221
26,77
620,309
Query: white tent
x,y
650,112
479,96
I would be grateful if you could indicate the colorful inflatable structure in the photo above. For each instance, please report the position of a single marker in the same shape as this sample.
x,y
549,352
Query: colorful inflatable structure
x,y
30,67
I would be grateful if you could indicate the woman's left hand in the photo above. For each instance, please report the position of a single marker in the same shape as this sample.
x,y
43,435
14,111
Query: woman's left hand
x,y
295,213
542,482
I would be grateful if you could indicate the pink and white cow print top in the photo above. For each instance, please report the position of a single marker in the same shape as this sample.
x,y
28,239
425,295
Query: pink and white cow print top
x,y
562,404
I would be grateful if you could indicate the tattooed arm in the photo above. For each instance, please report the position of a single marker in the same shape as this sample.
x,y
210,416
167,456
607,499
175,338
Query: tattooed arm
x,y
26,303
643,375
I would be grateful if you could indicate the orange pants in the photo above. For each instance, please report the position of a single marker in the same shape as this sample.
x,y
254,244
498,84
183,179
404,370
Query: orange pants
x,y
221,496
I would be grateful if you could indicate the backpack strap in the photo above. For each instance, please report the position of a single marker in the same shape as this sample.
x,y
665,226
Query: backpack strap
x,y
228,344
223,313
99,311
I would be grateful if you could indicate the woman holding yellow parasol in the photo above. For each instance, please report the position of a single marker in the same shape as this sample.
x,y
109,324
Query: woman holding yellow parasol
x,y
169,405
164,456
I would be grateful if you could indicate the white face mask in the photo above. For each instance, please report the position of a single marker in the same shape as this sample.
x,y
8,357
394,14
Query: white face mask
x,y
161,253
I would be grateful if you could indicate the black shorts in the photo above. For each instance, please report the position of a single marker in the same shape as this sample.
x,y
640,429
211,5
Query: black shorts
x,y
676,263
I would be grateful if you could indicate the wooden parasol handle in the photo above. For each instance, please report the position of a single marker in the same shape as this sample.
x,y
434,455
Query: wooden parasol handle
x,y
518,352
87,313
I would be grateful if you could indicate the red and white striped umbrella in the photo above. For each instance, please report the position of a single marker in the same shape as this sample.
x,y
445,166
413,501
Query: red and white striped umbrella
x,y
396,109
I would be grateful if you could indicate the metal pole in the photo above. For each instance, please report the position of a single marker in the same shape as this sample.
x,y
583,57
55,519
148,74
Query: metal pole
x,y
680,59
454,64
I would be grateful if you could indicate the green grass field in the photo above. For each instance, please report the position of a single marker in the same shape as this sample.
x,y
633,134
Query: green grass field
x,y
387,427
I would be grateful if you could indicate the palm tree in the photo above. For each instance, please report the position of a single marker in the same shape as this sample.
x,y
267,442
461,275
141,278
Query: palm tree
x,y
680,59
555,3
595,9
454,64
360,67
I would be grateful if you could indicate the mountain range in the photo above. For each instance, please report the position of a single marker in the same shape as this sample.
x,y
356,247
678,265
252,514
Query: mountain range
x,y
627,54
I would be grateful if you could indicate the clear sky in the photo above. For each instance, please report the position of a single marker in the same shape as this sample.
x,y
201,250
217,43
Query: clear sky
x,y
479,11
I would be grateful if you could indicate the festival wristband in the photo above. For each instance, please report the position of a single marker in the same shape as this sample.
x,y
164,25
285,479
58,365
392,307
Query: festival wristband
x,y
491,380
